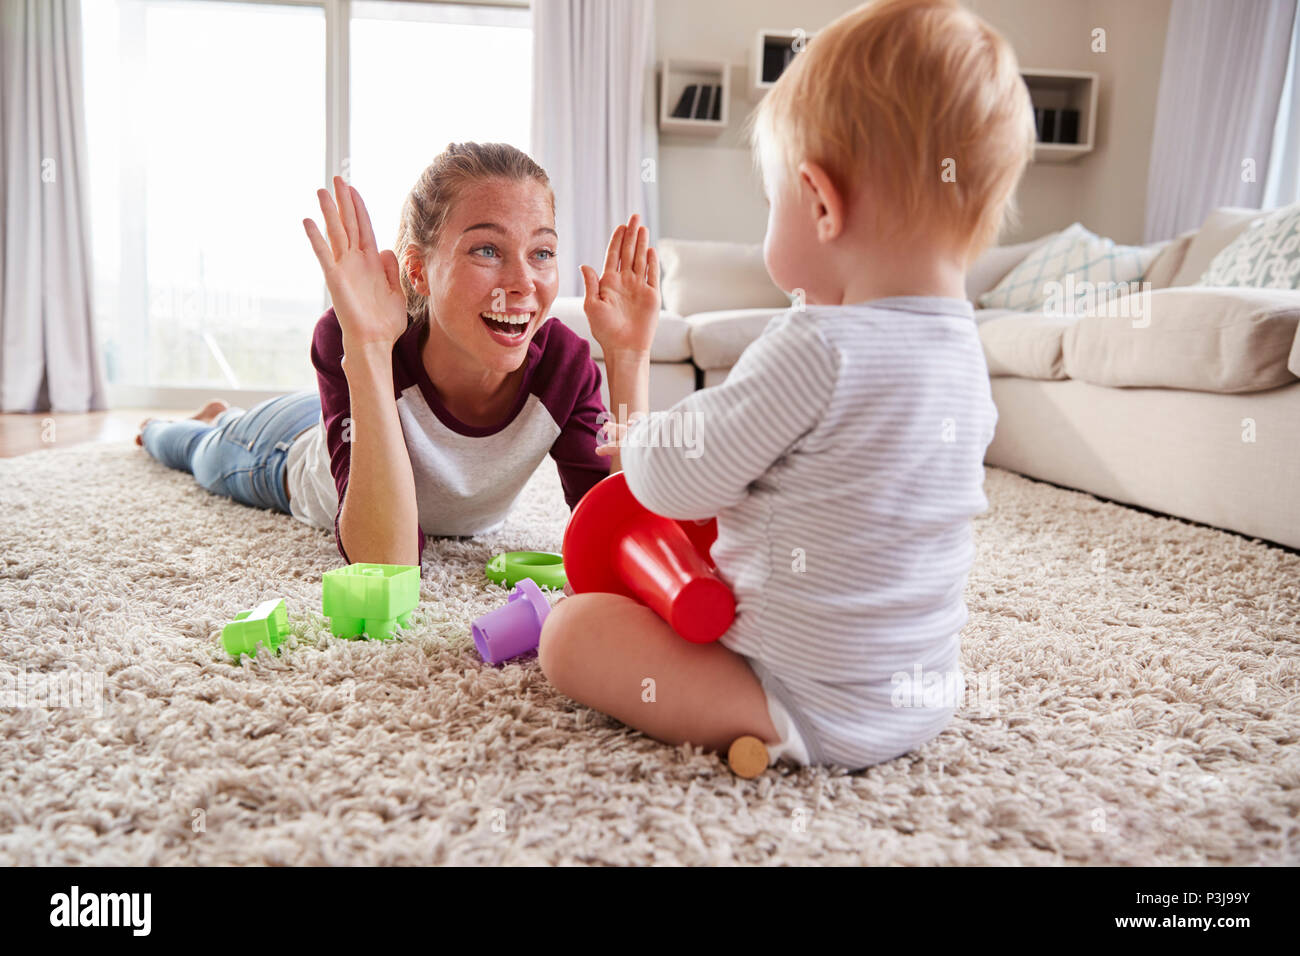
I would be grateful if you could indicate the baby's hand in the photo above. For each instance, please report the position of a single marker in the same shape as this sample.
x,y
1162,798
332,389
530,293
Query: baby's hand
x,y
612,434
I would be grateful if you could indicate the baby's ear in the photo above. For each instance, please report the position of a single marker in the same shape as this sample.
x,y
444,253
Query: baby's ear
x,y
829,203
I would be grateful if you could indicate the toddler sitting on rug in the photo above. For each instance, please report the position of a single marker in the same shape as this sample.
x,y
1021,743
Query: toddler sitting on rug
x,y
843,455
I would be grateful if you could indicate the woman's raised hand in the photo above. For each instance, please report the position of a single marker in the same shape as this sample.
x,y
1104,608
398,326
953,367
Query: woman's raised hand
x,y
363,281
623,304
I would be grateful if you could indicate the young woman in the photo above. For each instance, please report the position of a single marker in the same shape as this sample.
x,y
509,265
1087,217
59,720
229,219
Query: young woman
x,y
442,383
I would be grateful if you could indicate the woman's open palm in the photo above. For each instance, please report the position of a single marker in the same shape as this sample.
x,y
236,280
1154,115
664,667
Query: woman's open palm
x,y
623,304
363,281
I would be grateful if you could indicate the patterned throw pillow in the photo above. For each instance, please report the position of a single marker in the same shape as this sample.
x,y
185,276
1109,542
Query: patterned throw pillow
x,y
1265,256
1073,251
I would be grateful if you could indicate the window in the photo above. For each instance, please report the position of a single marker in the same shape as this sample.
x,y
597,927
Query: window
x,y
209,134
423,76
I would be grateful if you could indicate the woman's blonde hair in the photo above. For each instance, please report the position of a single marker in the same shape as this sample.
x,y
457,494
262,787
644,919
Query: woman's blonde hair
x,y
428,206
894,95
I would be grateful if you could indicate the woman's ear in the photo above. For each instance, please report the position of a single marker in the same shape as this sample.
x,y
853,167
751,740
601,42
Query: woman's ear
x,y
413,266
817,189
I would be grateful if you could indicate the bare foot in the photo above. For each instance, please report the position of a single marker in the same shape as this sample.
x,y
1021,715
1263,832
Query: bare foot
x,y
208,413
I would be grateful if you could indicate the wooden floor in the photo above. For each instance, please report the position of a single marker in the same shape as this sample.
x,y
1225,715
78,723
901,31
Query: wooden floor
x,y
20,434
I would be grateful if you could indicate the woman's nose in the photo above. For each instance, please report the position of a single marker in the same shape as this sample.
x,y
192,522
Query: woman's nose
x,y
519,275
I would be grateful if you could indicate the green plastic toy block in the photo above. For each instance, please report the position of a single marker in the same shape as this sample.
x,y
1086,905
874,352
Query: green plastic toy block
x,y
370,599
266,625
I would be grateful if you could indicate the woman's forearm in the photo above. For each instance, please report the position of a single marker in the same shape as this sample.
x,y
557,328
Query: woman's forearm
x,y
628,374
379,519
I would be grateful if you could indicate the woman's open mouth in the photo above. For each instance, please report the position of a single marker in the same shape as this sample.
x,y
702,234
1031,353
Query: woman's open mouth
x,y
508,328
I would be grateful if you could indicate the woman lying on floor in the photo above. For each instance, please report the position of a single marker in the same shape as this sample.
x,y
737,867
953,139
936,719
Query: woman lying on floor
x,y
442,383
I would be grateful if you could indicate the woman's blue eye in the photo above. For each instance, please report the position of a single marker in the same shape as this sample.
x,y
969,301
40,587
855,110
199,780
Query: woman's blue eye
x,y
550,253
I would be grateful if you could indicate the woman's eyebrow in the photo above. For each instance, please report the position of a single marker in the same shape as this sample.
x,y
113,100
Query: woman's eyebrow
x,y
494,226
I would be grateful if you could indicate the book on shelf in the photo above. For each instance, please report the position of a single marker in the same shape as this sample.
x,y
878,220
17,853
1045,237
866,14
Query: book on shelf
x,y
704,105
685,107
701,101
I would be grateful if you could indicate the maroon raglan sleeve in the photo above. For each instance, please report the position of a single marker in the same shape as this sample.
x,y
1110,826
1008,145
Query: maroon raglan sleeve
x,y
336,411
570,389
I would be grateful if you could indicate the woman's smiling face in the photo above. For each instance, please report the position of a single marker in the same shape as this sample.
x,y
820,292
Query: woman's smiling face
x,y
496,256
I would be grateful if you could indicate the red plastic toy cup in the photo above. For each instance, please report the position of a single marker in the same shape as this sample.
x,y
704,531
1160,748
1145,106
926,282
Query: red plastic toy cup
x,y
614,545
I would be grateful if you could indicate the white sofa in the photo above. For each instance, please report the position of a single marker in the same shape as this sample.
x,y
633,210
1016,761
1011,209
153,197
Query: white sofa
x,y
1196,415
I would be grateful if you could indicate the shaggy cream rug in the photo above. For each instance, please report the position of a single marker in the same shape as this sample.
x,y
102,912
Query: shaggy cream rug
x,y
1133,698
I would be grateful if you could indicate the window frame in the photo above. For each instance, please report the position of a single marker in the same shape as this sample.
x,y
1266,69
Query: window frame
x,y
338,21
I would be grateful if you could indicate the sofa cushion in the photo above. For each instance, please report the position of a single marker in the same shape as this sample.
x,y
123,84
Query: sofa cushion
x,y
1265,256
1071,252
990,268
718,338
1199,338
1220,228
1027,345
988,315
1161,273
704,276
672,337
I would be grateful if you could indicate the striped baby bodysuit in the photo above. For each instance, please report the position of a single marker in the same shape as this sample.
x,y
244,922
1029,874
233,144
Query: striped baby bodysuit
x,y
843,459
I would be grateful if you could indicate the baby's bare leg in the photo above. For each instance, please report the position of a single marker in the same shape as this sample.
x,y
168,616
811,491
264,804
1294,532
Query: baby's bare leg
x,y
602,649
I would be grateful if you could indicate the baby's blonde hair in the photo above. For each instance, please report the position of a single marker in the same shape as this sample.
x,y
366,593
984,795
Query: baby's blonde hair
x,y
891,95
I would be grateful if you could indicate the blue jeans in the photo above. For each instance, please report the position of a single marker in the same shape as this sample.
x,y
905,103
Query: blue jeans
x,y
241,454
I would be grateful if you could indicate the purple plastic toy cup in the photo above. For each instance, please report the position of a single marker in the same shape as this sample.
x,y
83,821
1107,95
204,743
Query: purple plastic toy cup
x,y
515,628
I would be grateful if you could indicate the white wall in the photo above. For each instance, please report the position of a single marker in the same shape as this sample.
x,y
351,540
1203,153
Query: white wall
x,y
709,190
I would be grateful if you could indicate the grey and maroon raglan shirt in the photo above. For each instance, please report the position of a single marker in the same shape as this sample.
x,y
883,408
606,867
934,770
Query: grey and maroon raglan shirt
x,y
466,477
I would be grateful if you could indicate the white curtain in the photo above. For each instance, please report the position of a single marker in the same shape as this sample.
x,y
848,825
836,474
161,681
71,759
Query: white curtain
x,y
1282,187
593,122
48,357
1220,85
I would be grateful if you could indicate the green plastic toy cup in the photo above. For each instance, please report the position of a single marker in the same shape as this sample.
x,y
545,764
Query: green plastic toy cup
x,y
545,568
370,599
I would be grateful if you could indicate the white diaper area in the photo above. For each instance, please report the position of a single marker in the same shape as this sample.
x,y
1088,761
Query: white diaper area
x,y
792,746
